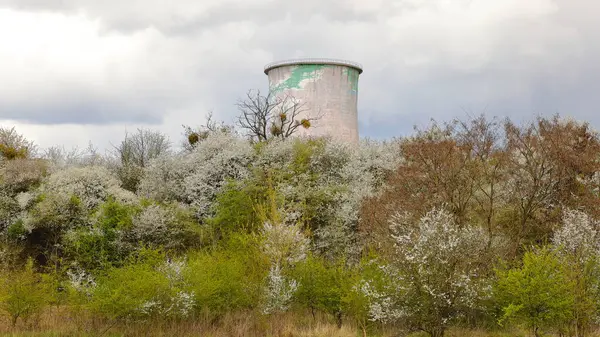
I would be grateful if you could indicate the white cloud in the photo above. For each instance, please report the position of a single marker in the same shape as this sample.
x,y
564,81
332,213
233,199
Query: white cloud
x,y
160,64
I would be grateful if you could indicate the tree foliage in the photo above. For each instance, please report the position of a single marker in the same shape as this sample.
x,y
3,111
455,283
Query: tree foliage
x,y
538,292
467,223
14,145
436,273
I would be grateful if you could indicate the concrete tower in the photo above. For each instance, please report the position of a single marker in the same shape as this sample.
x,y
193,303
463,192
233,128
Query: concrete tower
x,y
328,88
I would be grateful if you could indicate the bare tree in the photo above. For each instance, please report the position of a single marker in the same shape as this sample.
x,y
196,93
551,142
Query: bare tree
x,y
141,147
136,151
271,116
61,157
548,159
193,136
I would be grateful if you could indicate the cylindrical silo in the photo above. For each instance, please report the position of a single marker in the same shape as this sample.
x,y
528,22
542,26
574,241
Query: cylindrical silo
x,y
328,89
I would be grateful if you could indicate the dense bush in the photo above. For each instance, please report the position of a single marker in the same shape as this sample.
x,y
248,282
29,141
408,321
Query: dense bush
x,y
20,175
146,287
538,293
474,224
24,294
436,274
227,279
323,286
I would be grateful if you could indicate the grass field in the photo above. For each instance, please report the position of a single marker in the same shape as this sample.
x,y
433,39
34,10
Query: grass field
x,y
60,322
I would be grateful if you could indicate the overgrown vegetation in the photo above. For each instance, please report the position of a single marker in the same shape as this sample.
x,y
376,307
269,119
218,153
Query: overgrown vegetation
x,y
481,225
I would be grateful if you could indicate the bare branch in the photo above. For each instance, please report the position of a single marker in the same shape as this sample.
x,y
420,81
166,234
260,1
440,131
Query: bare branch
x,y
272,116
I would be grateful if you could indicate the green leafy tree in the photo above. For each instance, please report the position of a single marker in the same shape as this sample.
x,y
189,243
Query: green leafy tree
x,y
322,286
537,293
235,207
100,245
24,294
148,286
228,278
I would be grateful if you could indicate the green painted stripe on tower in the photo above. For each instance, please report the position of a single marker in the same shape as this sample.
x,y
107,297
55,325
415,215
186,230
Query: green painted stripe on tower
x,y
298,74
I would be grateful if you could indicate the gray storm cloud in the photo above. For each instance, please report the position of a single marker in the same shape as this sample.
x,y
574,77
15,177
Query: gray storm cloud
x,y
166,63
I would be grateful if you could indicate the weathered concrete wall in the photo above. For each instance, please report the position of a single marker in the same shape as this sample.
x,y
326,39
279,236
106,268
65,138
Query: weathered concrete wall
x,y
329,91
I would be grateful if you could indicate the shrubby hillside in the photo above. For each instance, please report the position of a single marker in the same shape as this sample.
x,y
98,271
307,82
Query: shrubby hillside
x,y
478,225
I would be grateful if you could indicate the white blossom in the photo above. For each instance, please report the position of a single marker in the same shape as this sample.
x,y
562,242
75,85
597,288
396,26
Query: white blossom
x,y
176,302
152,224
173,269
163,178
435,273
81,280
180,304
93,185
25,199
284,243
278,292
196,177
339,174
578,236
383,307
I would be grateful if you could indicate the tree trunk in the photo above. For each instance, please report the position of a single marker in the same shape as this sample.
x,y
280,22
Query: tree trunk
x,y
338,318
437,332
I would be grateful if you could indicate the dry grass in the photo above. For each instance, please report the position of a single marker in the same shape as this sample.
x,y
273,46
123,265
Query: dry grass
x,y
60,322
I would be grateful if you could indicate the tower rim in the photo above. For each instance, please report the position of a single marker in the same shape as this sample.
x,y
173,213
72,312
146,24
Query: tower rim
x,y
310,61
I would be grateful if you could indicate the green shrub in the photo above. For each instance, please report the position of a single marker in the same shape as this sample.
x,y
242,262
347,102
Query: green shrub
x,y
118,229
355,302
322,286
235,207
147,286
536,293
100,246
228,278
17,230
25,293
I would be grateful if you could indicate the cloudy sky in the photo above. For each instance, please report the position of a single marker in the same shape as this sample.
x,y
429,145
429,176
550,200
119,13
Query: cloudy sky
x,y
74,71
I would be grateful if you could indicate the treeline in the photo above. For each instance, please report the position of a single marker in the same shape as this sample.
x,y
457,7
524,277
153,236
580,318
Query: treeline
x,y
478,224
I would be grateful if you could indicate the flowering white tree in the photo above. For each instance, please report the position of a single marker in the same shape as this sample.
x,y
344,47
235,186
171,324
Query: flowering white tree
x,y
152,225
578,235
195,178
177,302
81,281
93,185
435,276
278,292
578,242
284,245
323,183
9,210
20,175
355,174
